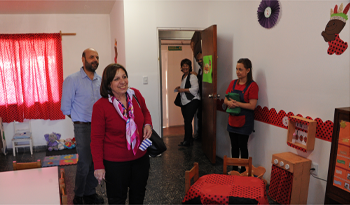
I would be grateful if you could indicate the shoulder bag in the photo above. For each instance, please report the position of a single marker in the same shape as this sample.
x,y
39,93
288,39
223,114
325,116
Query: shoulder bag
x,y
158,146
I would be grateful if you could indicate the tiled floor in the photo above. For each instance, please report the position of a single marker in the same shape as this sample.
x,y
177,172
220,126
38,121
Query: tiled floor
x,y
167,174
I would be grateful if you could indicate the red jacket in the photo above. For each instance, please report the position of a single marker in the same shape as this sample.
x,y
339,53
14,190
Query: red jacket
x,y
108,139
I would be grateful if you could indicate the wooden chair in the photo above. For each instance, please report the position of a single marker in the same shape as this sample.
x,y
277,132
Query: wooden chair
x,y
237,162
63,187
193,173
26,165
256,171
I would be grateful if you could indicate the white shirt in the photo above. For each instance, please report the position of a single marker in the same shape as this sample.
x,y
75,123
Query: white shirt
x,y
194,89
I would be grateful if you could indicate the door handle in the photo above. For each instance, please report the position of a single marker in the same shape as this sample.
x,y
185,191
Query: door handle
x,y
213,96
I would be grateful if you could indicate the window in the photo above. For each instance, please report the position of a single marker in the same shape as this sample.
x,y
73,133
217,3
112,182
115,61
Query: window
x,y
31,76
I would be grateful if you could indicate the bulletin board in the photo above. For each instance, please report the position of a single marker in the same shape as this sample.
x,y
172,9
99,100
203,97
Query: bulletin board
x,y
338,180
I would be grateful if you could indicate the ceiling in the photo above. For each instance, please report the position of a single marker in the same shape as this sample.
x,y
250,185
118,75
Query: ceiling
x,y
56,6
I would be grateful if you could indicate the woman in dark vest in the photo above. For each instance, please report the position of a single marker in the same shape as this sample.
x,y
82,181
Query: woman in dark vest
x,y
189,99
241,125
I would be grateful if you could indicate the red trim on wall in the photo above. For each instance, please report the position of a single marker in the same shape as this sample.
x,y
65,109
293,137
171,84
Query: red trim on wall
x,y
324,130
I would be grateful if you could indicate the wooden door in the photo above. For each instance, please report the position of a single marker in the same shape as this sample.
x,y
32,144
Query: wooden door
x,y
209,94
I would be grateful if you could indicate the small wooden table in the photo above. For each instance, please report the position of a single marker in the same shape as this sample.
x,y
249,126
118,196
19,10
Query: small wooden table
x,y
31,186
226,189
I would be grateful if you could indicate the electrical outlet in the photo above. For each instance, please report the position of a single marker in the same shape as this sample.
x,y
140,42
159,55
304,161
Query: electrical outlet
x,y
315,166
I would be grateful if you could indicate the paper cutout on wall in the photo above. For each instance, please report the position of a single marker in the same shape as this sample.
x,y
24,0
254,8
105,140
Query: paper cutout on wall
x,y
207,71
334,27
324,130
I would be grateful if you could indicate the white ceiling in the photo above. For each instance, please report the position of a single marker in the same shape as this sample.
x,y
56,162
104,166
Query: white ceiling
x,y
56,6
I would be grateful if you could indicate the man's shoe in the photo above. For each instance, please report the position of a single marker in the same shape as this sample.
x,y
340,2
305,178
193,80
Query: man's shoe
x,y
93,199
78,200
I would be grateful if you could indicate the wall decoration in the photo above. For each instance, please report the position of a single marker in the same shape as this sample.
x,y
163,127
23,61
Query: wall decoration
x,y
207,71
301,133
334,27
268,12
324,130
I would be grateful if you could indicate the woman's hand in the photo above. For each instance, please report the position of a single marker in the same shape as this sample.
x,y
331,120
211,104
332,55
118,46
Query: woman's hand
x,y
147,131
231,103
181,90
235,103
100,175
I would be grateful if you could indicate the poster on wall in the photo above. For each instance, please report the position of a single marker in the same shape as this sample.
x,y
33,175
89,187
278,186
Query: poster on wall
x,y
342,165
207,71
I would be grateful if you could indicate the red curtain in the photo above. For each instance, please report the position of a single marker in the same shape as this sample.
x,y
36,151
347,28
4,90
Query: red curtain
x,y
31,76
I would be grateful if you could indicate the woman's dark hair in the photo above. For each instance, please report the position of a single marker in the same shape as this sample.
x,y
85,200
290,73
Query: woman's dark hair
x,y
187,62
107,77
247,64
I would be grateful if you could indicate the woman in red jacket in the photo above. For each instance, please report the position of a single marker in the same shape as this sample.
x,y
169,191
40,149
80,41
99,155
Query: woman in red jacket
x,y
118,126
240,126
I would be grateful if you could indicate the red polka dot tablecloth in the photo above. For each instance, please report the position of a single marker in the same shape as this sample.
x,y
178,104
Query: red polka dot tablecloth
x,y
226,189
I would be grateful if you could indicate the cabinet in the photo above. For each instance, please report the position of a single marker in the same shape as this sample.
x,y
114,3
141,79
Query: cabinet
x,y
338,179
290,177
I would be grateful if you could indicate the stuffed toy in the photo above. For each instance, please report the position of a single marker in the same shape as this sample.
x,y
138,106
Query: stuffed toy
x,y
61,144
51,140
69,144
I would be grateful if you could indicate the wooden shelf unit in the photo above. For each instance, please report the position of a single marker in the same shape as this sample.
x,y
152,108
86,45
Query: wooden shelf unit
x,y
339,160
310,132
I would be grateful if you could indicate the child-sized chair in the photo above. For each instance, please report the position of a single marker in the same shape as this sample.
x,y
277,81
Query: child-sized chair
x,y
22,136
26,165
251,171
237,162
256,172
193,173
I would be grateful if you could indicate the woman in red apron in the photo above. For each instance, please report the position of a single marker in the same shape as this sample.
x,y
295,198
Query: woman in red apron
x,y
241,125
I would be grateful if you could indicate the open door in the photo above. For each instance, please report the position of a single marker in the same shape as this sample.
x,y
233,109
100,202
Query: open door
x,y
209,92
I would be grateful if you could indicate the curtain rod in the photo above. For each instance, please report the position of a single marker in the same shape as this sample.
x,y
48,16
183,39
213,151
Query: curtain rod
x,y
67,34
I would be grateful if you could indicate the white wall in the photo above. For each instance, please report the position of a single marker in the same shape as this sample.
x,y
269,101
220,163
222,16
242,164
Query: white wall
x,y
142,21
117,31
290,64
91,31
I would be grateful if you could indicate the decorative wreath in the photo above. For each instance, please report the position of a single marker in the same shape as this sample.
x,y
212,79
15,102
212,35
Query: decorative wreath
x,y
268,12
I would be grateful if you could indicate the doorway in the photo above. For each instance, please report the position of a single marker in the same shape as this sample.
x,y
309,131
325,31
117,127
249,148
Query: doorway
x,y
174,45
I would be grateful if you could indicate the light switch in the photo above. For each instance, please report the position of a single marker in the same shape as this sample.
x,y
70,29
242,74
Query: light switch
x,y
145,80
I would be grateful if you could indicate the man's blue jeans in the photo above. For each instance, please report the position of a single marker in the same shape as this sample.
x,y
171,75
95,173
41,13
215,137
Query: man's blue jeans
x,y
85,181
